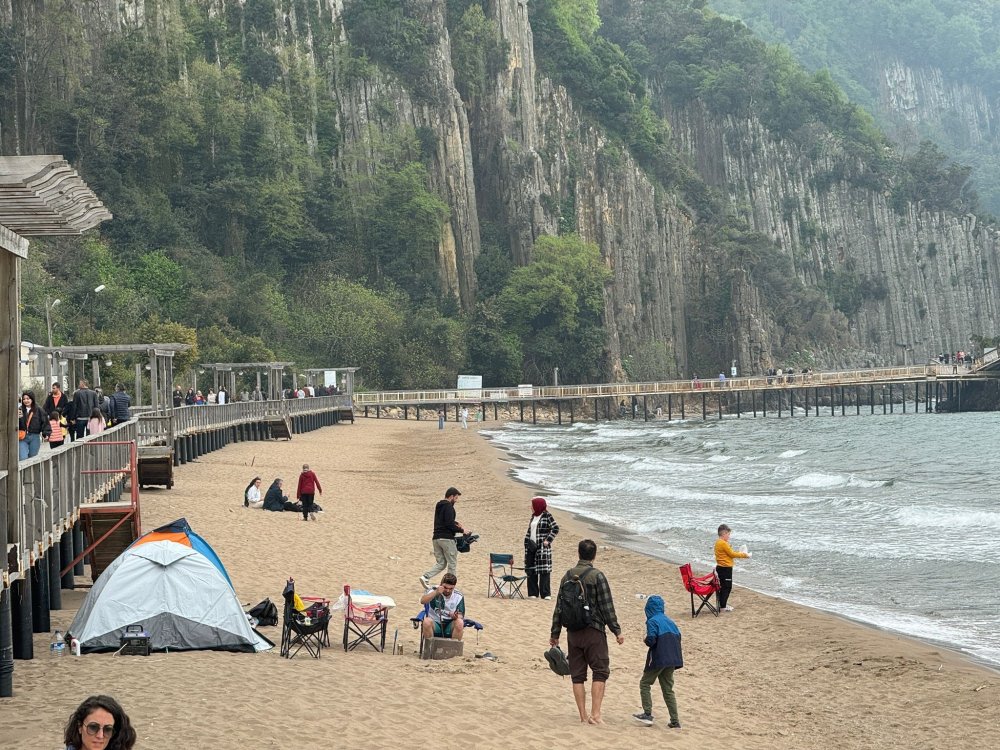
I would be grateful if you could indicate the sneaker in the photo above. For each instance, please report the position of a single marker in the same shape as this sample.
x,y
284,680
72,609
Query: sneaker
x,y
304,518
644,718
727,609
674,724
425,583
532,597
546,598
312,516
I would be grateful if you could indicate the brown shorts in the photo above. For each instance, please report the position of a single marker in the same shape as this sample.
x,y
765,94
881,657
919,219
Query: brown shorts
x,y
588,648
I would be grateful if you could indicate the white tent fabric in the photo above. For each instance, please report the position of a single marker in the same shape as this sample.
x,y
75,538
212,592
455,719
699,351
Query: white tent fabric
x,y
176,593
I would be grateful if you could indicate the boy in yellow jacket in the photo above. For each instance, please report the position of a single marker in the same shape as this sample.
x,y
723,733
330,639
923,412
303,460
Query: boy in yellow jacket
x,y
724,555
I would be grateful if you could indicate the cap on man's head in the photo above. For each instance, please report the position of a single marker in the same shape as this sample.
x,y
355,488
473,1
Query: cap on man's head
x,y
451,491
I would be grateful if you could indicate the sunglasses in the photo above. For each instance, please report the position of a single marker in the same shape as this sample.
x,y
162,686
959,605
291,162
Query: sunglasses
x,y
93,728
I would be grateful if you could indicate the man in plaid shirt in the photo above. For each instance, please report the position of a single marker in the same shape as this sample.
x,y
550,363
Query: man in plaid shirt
x,y
588,647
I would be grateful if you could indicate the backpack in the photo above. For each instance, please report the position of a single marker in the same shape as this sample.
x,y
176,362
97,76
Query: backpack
x,y
574,609
265,613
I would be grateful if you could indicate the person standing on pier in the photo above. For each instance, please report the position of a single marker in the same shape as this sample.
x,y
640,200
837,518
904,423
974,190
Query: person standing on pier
x,y
84,403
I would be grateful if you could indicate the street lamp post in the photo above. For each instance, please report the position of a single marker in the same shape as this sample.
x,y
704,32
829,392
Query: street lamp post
x,y
48,316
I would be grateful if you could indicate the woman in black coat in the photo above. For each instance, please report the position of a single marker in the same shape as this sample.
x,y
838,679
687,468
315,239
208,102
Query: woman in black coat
x,y
32,425
275,500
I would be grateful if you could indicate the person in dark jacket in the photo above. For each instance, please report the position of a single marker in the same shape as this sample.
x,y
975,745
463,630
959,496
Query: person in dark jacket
x,y
119,405
664,641
443,539
275,500
542,530
84,402
189,397
32,424
178,397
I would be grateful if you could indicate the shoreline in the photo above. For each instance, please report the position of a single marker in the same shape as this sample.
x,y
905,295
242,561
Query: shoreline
x,y
619,536
771,676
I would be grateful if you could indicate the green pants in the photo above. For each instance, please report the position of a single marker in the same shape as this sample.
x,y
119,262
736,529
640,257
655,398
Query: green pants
x,y
666,677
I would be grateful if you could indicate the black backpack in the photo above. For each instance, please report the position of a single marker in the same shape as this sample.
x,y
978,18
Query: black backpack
x,y
574,609
265,613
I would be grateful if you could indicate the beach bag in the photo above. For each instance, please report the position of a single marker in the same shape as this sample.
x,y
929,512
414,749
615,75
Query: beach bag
x,y
265,613
464,543
574,609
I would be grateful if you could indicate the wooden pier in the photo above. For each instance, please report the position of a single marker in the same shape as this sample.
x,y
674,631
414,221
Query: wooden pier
x,y
876,390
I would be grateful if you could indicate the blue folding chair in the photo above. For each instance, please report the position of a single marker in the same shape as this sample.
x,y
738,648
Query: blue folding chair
x,y
502,581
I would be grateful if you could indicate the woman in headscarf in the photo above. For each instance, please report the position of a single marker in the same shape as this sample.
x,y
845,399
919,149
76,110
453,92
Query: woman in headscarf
x,y
542,530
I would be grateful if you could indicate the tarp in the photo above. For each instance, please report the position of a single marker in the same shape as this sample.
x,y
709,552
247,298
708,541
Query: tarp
x,y
172,583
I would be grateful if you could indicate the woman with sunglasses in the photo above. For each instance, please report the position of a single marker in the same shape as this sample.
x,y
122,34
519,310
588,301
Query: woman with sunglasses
x,y
99,723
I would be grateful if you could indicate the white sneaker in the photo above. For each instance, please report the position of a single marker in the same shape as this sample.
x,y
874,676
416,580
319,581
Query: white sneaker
x,y
532,597
546,598
425,583
312,516
727,609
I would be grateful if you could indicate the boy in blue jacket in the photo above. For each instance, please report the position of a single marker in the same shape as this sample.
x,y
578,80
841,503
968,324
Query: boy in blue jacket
x,y
664,641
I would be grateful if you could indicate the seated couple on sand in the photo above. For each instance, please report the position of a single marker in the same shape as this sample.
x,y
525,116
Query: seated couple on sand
x,y
274,499
445,610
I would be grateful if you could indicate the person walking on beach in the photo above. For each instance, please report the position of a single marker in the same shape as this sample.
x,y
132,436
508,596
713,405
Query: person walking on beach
x,y
724,556
306,492
465,417
440,419
542,530
664,656
443,539
585,608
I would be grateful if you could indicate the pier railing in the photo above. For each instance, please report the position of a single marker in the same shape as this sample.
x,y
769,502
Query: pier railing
x,y
56,482
626,390
160,428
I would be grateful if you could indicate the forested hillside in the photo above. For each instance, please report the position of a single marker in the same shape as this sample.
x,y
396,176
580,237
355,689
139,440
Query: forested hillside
x,y
425,187
858,43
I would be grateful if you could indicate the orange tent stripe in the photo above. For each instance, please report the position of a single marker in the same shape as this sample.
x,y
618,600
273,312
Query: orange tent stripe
x,y
158,536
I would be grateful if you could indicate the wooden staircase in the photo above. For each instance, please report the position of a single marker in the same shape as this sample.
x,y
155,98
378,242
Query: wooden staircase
x,y
281,427
98,520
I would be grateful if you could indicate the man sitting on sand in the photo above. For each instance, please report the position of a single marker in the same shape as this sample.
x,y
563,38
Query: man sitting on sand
x,y
446,610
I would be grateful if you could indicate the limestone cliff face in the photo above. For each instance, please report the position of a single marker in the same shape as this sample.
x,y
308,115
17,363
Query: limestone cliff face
x,y
940,271
523,158
925,98
540,167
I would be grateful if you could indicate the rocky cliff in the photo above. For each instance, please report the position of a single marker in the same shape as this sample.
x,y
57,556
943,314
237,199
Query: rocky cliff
x,y
524,158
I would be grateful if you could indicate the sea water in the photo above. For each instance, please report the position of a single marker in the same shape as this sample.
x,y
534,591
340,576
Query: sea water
x,y
893,520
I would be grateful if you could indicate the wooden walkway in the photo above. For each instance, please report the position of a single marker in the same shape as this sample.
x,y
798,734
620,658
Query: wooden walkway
x,y
929,376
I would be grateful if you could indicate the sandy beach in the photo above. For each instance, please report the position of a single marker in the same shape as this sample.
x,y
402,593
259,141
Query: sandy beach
x,y
769,675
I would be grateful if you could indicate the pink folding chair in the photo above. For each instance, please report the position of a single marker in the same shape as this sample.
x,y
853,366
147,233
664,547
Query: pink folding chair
x,y
364,624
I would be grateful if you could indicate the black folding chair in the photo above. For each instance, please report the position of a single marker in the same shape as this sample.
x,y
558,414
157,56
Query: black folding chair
x,y
363,624
502,581
308,629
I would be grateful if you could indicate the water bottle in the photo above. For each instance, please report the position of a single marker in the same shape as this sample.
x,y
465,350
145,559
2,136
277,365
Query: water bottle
x,y
57,646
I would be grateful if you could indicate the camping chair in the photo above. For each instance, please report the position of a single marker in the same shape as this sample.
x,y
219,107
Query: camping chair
x,y
704,587
502,581
361,624
418,620
308,629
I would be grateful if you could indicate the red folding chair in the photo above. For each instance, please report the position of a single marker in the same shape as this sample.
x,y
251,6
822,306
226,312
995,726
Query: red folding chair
x,y
704,587
363,624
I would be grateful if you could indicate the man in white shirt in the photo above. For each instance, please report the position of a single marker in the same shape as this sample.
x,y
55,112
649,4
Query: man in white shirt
x,y
445,616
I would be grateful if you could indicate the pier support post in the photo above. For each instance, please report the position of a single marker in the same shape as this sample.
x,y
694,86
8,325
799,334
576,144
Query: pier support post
x,y
682,406
739,410
20,615
77,547
6,646
40,622
891,404
55,580
558,412
816,399
645,410
534,417
66,557
670,407
871,397
704,407
753,401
